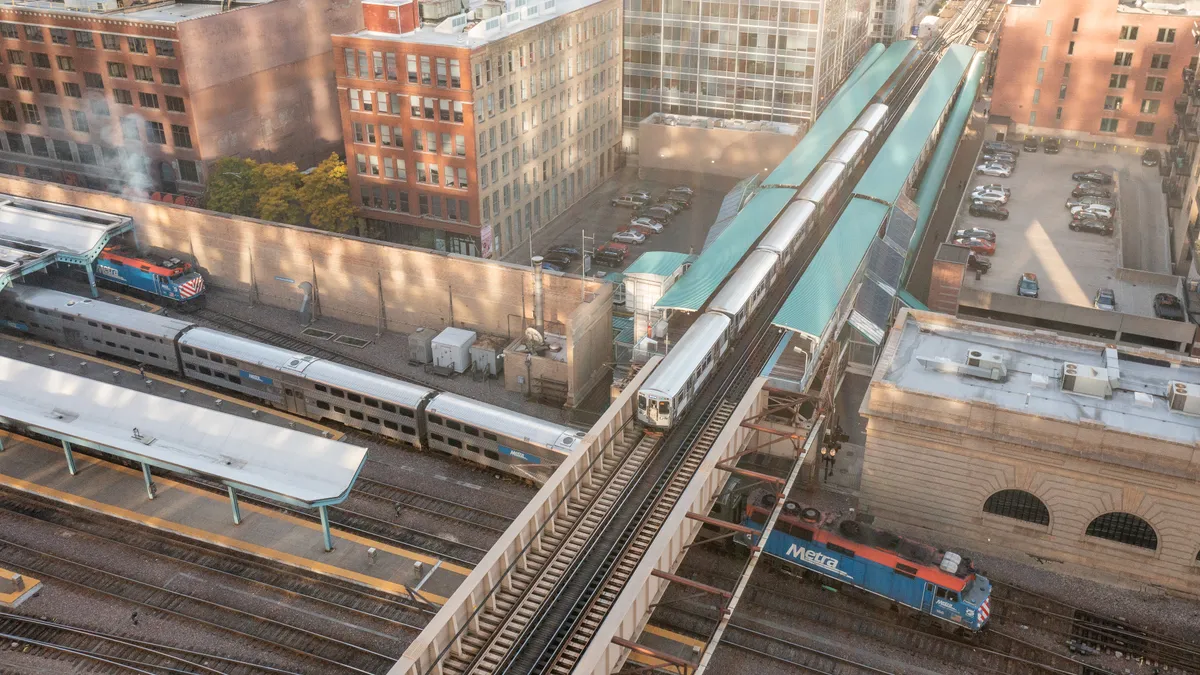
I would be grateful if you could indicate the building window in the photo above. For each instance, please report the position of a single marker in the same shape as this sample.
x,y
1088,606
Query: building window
x,y
377,63
1108,124
1037,96
1058,113
16,142
455,74
458,112
87,154
1150,106
129,128
47,86
1160,61
1112,102
169,76
93,80
1049,28
414,106
39,146
1070,48
99,107
462,178
411,60
1066,70
1124,528
1166,35
34,34
1129,32
66,64
1040,74
351,70
1117,81
138,45
122,96
175,104
40,60
84,40
1155,83
143,73
1144,129
1018,504
442,73
116,69
390,60
79,121
156,134
164,48
1123,59
30,112
54,118
110,42
71,89
360,163
181,136
1075,25
188,171
62,150
374,165
1062,92
9,31
1033,118
16,57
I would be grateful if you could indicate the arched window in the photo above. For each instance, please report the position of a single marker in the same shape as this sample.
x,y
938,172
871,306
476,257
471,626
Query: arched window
x,y
1124,528
1018,504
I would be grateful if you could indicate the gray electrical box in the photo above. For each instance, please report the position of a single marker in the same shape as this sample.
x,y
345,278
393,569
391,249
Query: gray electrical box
x,y
487,355
420,345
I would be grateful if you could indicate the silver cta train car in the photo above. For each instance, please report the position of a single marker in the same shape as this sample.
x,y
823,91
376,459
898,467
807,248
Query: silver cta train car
x,y
302,384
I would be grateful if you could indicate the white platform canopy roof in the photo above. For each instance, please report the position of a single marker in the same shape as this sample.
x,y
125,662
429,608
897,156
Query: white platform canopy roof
x,y
34,234
272,461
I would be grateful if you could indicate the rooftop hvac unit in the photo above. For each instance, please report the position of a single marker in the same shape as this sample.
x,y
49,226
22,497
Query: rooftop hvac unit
x,y
1184,397
988,359
1086,380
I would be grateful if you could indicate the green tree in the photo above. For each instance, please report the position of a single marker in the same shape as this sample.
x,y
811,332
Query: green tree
x,y
325,196
231,187
278,189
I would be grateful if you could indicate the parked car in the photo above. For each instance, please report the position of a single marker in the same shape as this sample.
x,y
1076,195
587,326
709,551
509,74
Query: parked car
x,y
657,213
645,225
1167,306
995,169
607,259
1106,299
1092,225
1001,146
1151,157
629,237
976,233
669,206
629,200
681,201
642,194
1088,200
989,196
550,266
985,210
557,259
1091,190
566,249
978,263
1051,146
614,248
1093,176
980,246
682,190
1030,144
993,187
1001,157
1103,211
1028,285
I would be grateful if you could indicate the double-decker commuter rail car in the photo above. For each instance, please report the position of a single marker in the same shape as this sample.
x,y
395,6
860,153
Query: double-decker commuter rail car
x,y
304,385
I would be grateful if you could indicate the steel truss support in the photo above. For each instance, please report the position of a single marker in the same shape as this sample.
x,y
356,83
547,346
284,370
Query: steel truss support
x,y
682,666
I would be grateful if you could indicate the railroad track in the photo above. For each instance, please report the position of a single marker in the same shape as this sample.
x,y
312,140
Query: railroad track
x,y
1091,632
378,606
96,652
508,609
406,499
333,655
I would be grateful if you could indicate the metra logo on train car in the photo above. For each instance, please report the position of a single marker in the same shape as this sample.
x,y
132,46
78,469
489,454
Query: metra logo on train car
x,y
15,325
257,378
107,271
520,455
829,563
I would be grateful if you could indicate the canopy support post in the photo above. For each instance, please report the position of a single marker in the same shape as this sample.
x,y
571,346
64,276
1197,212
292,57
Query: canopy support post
x,y
70,457
150,487
233,501
91,274
325,528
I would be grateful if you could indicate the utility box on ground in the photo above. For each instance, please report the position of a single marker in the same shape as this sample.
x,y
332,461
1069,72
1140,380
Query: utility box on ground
x,y
420,345
487,355
452,349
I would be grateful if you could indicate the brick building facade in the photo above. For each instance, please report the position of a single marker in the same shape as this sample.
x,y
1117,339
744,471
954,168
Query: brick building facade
x,y
470,135
1096,70
144,97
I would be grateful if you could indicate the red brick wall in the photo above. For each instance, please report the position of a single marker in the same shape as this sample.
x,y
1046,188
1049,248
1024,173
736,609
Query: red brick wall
x,y
390,17
1090,50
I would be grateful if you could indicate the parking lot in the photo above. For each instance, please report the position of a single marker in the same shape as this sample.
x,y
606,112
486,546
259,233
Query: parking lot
x,y
1071,266
595,215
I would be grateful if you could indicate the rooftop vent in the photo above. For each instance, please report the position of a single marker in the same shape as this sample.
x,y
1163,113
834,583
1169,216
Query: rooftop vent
x,y
944,365
1086,380
1184,397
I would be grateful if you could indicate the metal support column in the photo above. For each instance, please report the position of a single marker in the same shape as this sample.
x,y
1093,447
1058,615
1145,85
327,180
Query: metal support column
x,y
150,488
92,281
325,527
70,457
237,511
1,445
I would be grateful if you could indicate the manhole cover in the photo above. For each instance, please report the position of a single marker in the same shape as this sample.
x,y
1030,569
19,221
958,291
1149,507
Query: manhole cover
x,y
351,341
318,333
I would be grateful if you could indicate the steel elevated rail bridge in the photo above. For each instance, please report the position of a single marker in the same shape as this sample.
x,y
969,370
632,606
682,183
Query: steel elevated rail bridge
x,y
570,584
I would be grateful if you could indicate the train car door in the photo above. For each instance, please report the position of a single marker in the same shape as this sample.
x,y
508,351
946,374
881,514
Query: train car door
x,y
927,598
293,400
74,340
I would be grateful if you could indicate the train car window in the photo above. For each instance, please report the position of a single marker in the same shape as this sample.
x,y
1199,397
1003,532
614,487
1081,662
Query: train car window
x,y
337,392
67,318
945,594
372,420
287,391
139,351
322,405
339,409
491,454
490,436
408,430
664,407
235,379
124,347
35,324
906,570
371,402
185,350
189,366
220,375
356,415
93,324
451,424
470,430
321,388
437,437
201,353
388,407
354,398
391,425
154,356
205,371
472,448
97,340
134,334
231,362
111,344
407,412
840,549
107,328
454,443
434,419
215,358
30,308
42,311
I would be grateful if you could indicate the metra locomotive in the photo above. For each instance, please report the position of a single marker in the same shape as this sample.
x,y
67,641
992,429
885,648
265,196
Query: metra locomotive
x,y
170,280
934,583
304,385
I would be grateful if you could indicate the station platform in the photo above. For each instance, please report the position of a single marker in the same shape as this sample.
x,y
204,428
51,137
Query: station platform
x,y
39,468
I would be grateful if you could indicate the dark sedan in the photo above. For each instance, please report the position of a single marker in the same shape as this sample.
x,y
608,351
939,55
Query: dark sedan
x,y
994,211
1093,176
1092,225
1090,190
557,259
571,252
1167,306
1051,146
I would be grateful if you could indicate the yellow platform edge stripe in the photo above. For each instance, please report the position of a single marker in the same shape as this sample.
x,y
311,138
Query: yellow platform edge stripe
x,y
671,635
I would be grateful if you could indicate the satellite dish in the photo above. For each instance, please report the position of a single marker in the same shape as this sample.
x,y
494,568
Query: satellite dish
x,y
532,336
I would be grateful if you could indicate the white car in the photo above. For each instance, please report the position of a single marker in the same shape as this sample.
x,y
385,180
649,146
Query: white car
x,y
642,194
647,223
989,197
994,187
682,190
993,169
629,237
1101,210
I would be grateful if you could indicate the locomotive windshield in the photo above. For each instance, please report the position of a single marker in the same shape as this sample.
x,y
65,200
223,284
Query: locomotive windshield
x,y
641,401
664,407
